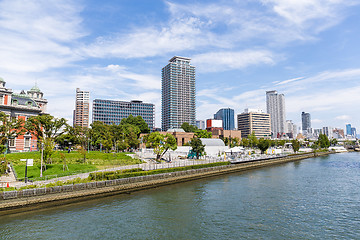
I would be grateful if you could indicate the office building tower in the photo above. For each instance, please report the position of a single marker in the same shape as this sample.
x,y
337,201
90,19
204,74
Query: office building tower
x,y
111,112
82,106
353,132
200,124
306,121
178,93
275,105
254,121
348,129
227,117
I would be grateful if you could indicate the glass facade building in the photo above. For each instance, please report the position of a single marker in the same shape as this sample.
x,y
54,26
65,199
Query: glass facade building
x,y
306,121
178,93
227,117
109,111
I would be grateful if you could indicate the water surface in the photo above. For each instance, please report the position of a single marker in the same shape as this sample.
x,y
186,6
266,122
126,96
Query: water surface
x,y
317,198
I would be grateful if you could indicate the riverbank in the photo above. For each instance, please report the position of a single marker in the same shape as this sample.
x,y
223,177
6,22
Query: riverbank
x,y
31,199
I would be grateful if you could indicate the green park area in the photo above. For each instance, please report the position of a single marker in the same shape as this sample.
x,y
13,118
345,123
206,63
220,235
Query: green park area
x,y
63,163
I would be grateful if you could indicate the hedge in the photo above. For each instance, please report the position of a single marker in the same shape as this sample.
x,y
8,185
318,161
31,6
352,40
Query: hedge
x,y
110,175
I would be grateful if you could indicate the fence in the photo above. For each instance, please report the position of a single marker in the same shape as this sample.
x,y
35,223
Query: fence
x,y
93,185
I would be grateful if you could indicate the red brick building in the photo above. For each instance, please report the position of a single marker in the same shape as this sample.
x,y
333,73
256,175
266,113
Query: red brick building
x,y
22,106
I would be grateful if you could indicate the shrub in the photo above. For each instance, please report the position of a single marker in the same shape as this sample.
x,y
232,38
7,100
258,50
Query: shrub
x,y
139,172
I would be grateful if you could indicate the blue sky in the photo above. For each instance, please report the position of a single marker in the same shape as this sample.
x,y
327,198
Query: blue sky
x,y
306,49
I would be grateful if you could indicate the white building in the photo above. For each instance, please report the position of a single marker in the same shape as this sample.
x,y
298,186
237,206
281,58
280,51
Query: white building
x,y
275,106
200,124
328,131
291,129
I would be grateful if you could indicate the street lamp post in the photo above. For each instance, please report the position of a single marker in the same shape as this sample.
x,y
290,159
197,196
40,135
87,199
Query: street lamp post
x,y
42,156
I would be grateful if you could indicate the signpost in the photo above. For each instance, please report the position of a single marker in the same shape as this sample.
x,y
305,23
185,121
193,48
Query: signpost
x,y
30,163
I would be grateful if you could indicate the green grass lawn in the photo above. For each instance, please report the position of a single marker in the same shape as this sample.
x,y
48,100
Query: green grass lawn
x,y
94,160
52,171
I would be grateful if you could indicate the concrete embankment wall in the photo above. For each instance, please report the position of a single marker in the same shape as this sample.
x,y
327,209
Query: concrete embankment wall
x,y
31,199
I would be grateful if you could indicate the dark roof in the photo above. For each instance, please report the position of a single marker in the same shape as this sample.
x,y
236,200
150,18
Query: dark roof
x,y
24,100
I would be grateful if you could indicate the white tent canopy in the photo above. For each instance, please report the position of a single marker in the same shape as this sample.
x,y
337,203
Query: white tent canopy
x,y
235,150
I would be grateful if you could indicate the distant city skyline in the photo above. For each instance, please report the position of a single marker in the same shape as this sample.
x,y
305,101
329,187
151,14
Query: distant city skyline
x,y
306,50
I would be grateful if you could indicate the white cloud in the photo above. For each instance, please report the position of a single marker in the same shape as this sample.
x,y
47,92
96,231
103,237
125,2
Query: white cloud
x,y
37,35
288,81
343,117
221,61
316,121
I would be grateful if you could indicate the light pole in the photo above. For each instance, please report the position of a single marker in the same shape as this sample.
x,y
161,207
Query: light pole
x,y
42,156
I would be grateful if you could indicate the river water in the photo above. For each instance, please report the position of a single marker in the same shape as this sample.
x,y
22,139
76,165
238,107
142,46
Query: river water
x,y
317,198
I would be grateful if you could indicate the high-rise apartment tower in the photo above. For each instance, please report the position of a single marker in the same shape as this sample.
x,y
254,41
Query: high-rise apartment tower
x,y
178,93
81,112
275,106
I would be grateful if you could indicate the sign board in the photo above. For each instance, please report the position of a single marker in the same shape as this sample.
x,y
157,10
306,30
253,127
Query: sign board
x,y
29,162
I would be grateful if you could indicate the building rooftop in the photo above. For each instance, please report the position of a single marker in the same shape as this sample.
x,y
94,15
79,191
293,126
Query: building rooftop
x,y
212,142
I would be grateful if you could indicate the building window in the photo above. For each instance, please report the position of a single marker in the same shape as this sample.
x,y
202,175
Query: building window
x,y
27,142
12,142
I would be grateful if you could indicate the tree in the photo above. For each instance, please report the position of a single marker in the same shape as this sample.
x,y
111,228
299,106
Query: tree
x,y
295,145
47,129
281,143
136,121
245,142
252,140
263,144
160,143
188,128
202,134
101,137
197,147
125,136
333,142
323,141
10,128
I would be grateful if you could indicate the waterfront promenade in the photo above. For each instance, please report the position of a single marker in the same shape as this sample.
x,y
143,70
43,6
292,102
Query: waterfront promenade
x,y
148,165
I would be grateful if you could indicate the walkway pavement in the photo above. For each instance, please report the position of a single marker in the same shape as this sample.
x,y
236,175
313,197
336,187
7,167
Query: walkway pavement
x,y
9,179
149,165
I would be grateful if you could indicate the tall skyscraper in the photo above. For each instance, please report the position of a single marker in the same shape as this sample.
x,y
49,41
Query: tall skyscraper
x,y
82,105
275,106
178,93
353,132
254,120
306,121
348,129
227,117
111,112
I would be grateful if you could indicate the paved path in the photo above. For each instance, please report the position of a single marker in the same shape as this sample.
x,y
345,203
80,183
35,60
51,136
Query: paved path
x,y
149,165
9,179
